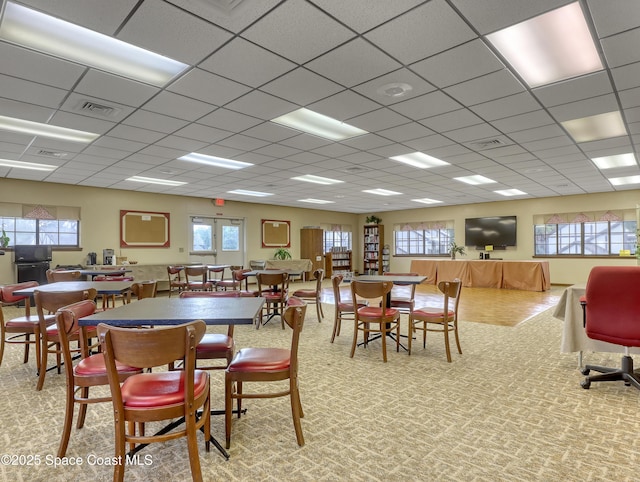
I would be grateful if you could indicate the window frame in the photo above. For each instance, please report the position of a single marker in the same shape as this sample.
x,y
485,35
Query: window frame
x,y
39,232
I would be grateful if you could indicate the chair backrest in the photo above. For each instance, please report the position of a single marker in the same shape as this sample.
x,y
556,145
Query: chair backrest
x,y
400,283
196,273
370,290
145,289
53,276
613,304
277,278
174,272
7,296
67,322
52,301
152,347
451,290
293,316
336,279
218,272
318,274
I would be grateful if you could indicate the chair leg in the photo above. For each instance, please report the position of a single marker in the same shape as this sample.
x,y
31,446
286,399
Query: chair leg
x,y
82,410
118,469
336,322
446,341
27,343
409,335
228,408
68,420
355,338
192,446
384,331
455,331
296,409
44,353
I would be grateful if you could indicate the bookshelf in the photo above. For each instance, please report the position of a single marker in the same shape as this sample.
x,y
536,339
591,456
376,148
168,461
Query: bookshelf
x,y
373,249
338,261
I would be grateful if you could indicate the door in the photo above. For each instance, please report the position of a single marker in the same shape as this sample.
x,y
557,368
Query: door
x,y
217,241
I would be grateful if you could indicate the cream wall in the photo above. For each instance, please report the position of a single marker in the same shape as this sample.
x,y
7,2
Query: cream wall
x,y
100,229
563,270
100,223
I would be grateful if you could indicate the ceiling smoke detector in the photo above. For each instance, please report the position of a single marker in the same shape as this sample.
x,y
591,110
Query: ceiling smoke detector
x,y
396,89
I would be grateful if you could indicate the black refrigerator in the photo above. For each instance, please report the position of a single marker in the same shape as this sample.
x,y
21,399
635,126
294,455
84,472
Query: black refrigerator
x,y
32,263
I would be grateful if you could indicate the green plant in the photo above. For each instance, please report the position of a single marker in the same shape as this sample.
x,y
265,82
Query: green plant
x,y
456,249
373,219
4,239
282,253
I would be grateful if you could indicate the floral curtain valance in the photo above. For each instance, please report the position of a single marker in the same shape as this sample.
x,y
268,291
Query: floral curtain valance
x,y
585,217
39,211
423,225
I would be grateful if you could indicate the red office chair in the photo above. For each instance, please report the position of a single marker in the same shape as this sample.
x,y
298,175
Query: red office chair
x,y
612,314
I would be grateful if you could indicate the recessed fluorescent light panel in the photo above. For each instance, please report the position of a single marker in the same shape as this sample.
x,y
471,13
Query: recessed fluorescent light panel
x,y
510,192
22,126
317,179
27,165
549,48
214,161
619,160
153,180
426,200
474,180
52,36
595,127
242,192
315,201
382,192
419,160
320,125
623,181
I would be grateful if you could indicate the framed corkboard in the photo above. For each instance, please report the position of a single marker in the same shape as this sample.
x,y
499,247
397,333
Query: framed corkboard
x,y
144,229
276,234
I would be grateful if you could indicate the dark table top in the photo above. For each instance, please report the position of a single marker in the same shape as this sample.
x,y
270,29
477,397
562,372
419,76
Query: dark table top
x,y
102,287
405,280
173,311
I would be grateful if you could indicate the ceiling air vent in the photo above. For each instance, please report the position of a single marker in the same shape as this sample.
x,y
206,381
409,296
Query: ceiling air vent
x,y
487,144
355,169
98,109
45,153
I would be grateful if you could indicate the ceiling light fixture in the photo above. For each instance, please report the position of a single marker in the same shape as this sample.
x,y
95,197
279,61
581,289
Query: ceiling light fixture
x,y
395,89
52,36
243,192
315,201
153,180
426,200
215,161
619,160
22,126
419,160
320,125
624,181
474,180
595,127
549,48
316,179
382,192
510,192
27,165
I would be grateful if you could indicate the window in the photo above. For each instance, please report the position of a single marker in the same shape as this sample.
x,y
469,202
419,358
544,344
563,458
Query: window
x,y
591,238
53,232
337,239
423,242
202,237
230,238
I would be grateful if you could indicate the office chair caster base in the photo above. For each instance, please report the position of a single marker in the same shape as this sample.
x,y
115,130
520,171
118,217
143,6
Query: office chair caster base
x,y
585,384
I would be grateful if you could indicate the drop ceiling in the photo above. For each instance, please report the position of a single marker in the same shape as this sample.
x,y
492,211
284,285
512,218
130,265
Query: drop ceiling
x,y
252,61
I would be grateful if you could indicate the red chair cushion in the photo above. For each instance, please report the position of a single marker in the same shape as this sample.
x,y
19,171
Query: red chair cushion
x,y
271,296
214,343
260,360
159,389
431,313
306,293
27,322
94,365
371,311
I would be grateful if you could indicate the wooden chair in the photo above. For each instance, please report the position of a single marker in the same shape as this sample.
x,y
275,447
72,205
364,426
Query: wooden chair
x,y
118,275
214,346
274,288
384,318
48,302
313,296
235,280
19,330
89,372
55,275
145,289
196,278
441,320
176,283
157,396
267,365
215,274
343,310
404,303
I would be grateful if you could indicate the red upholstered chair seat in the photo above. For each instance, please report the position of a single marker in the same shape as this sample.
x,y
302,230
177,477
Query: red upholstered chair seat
x,y
305,293
27,321
214,343
373,311
160,389
94,365
434,313
260,360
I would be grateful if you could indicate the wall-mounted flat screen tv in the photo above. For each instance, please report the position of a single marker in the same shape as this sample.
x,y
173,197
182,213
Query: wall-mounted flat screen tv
x,y
496,231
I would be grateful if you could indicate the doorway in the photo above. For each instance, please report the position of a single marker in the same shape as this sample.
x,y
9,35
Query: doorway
x,y
217,241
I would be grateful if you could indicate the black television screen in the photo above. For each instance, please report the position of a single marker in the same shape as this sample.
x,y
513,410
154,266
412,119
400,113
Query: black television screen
x,y
30,253
494,231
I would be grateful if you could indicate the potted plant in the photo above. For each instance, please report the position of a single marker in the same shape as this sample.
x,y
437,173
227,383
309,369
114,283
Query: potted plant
x,y
282,253
455,249
373,219
4,240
